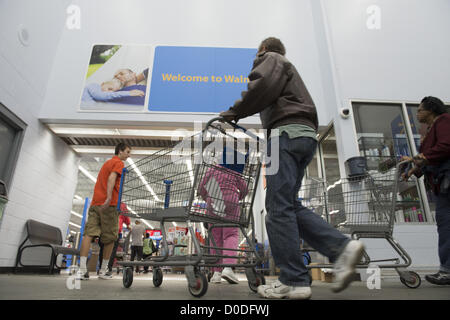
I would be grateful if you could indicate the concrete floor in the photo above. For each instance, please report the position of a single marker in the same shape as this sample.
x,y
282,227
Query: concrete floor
x,y
174,287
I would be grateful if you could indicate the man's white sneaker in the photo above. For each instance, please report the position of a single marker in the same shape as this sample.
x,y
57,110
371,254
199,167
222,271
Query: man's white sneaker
x,y
277,290
216,278
229,275
82,275
105,275
344,267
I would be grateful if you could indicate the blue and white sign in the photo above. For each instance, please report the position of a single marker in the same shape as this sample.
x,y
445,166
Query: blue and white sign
x,y
198,79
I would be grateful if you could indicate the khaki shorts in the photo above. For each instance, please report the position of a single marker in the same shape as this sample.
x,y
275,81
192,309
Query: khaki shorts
x,y
104,225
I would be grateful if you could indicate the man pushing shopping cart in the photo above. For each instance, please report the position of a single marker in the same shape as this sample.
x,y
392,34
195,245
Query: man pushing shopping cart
x,y
277,92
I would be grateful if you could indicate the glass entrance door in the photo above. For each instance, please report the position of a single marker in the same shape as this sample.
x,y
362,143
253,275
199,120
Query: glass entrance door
x,y
383,139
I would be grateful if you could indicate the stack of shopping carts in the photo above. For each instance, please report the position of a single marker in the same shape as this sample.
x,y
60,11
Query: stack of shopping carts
x,y
363,207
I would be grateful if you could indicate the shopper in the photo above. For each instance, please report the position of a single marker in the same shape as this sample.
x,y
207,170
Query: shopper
x,y
278,93
103,218
122,220
148,249
222,187
433,161
137,234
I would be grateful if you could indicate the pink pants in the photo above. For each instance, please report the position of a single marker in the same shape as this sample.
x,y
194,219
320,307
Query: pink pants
x,y
226,238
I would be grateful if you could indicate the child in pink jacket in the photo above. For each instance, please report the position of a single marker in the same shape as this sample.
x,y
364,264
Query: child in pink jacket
x,y
222,187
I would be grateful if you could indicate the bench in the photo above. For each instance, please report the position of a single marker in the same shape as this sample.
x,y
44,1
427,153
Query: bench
x,y
43,235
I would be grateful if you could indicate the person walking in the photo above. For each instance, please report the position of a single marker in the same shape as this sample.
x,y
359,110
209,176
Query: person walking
x,y
148,249
122,220
137,234
433,161
278,93
103,218
222,188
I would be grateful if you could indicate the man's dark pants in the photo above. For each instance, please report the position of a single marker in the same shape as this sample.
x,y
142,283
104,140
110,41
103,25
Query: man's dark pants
x,y
443,226
287,221
137,251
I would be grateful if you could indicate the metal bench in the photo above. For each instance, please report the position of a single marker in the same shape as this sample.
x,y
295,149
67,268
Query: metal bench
x,y
43,235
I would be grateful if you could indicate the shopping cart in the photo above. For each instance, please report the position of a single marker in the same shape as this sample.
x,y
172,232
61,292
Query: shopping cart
x,y
164,187
364,207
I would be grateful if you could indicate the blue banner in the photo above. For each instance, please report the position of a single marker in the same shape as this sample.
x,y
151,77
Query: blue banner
x,y
198,79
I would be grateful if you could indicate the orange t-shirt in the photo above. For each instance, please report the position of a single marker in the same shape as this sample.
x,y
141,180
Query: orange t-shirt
x,y
112,165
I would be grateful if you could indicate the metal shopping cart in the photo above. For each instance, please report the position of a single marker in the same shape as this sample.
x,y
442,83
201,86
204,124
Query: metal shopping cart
x,y
364,207
164,187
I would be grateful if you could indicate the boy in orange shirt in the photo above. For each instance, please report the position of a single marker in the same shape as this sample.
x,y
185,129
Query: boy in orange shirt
x,y
103,218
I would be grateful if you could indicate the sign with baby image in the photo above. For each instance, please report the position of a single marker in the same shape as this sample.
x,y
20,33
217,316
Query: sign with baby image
x,y
116,78
183,79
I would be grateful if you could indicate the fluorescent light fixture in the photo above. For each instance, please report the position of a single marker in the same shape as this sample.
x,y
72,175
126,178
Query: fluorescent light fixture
x,y
141,177
134,212
87,174
334,212
191,173
77,131
119,132
76,214
148,224
170,133
334,185
71,231
135,151
156,133
75,225
243,240
90,149
78,197
174,224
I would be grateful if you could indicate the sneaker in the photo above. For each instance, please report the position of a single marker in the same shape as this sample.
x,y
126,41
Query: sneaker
x,y
440,278
82,275
229,275
277,290
105,275
344,267
216,278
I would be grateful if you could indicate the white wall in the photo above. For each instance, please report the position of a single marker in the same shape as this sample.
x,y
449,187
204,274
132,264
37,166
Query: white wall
x,y
219,23
46,172
405,60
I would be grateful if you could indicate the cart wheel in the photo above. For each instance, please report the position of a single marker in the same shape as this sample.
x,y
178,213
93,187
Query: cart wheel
x,y
201,285
260,280
127,277
157,277
413,281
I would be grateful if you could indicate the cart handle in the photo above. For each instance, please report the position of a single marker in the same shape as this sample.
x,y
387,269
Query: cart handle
x,y
234,125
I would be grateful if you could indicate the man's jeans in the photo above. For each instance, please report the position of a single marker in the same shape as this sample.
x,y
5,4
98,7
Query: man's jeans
x,y
288,221
443,226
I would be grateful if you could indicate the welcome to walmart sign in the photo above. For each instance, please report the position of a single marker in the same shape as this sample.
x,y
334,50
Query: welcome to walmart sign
x,y
198,79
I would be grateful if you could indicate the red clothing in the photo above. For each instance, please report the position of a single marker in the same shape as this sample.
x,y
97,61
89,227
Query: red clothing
x,y
436,144
112,165
122,220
